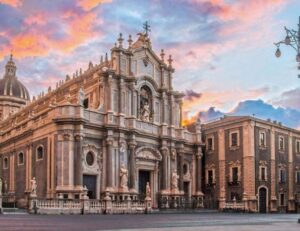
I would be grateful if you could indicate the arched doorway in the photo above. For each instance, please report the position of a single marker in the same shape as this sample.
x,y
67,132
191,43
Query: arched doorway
x,y
262,192
146,170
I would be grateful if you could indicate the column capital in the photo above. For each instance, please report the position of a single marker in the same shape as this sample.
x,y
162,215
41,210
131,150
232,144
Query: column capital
x,y
199,155
77,137
67,136
109,141
132,144
164,150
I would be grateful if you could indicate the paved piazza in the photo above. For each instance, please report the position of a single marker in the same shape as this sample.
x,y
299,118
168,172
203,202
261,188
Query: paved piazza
x,y
165,222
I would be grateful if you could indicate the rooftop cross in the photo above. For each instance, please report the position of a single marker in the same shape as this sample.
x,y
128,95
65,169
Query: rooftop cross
x,y
146,27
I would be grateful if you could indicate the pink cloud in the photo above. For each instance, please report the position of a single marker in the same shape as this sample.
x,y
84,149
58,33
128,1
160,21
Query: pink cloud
x,y
90,4
13,3
38,19
78,28
239,28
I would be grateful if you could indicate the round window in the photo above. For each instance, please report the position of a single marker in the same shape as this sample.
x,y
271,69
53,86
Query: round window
x,y
89,158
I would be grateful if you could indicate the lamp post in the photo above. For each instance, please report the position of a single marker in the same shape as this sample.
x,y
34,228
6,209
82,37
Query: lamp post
x,y
292,39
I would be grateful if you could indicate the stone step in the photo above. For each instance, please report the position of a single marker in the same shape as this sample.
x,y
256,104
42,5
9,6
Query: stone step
x,y
180,211
14,211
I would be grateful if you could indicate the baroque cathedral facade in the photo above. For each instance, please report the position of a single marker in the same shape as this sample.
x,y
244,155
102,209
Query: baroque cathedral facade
x,y
116,129
112,128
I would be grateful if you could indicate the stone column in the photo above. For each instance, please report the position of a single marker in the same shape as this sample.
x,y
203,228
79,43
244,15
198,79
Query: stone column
x,y
109,161
121,101
164,151
132,147
199,170
78,160
180,167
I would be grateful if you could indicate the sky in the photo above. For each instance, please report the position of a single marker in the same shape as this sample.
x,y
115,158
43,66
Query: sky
x,y
223,50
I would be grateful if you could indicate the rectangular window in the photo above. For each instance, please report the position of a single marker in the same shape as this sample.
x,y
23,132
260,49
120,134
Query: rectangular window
x,y
298,177
282,176
210,144
281,199
234,139
262,139
235,174
263,173
281,143
86,103
210,177
297,146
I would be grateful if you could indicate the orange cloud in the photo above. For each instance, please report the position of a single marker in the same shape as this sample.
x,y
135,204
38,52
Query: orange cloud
x,y
87,5
35,41
219,99
13,3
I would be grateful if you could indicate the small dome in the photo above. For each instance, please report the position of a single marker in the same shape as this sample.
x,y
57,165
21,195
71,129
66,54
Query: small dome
x,y
10,85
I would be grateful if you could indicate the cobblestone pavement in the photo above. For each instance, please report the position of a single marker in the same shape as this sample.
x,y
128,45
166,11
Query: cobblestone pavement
x,y
164,222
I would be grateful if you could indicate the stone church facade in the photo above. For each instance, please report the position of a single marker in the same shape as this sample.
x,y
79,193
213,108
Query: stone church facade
x,y
112,128
114,132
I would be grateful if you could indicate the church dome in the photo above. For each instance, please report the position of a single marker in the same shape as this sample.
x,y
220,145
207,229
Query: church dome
x,y
10,85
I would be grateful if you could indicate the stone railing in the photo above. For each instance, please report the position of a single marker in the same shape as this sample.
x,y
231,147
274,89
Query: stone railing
x,y
233,205
87,206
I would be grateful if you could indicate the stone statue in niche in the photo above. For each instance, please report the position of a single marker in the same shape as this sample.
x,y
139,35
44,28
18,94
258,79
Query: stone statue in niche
x,y
174,183
81,96
146,112
145,103
123,178
5,186
148,190
33,186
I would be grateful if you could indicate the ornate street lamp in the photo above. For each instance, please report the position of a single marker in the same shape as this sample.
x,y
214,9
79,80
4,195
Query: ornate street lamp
x,y
292,39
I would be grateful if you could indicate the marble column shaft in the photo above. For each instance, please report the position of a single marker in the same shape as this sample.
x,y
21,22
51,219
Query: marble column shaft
x,y
132,167
199,172
180,171
109,167
165,169
78,160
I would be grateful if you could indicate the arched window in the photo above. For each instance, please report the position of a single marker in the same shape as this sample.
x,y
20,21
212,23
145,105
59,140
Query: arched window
x,y
185,169
21,158
89,158
145,104
5,163
40,153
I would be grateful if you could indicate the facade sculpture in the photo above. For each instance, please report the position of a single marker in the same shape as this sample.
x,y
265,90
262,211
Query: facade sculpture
x,y
146,112
33,186
148,190
123,178
175,178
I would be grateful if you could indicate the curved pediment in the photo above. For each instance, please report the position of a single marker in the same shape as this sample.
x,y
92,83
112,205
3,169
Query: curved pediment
x,y
142,80
148,153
